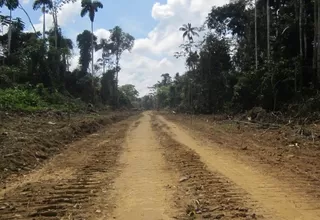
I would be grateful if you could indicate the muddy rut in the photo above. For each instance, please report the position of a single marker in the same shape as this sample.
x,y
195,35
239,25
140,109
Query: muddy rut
x,y
147,167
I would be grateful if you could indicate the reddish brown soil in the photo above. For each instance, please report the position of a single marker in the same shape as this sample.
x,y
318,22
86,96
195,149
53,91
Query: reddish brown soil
x,y
160,167
73,185
201,193
29,139
283,151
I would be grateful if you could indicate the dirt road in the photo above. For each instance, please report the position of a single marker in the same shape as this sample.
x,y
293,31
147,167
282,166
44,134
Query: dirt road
x,y
152,168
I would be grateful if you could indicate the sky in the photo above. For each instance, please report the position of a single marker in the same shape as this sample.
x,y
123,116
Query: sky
x,y
154,24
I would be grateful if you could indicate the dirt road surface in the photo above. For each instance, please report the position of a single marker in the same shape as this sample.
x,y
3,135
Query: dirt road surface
x,y
147,167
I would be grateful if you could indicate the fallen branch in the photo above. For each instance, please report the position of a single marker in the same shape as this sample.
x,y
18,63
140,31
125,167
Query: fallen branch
x,y
9,155
270,126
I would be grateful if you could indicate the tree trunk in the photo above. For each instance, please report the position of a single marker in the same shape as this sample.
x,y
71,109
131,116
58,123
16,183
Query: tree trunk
x,y
315,44
256,34
44,22
20,6
268,32
318,43
10,34
300,29
55,22
92,71
301,60
117,75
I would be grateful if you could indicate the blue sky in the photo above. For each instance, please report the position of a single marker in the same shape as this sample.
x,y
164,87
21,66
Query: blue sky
x,y
154,24
132,16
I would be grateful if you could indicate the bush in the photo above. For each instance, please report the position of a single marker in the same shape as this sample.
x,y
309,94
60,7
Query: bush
x,y
17,99
26,98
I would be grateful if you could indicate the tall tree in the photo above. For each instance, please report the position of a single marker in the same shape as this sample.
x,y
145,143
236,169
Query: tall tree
x,y
315,41
57,5
121,41
107,49
84,41
189,31
26,13
255,34
318,40
90,7
11,5
268,31
43,4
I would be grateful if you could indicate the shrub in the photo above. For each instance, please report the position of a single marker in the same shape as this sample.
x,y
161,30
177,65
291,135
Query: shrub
x,y
17,99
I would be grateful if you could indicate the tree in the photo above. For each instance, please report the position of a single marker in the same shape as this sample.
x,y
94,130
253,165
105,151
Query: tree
x,y
90,7
318,40
84,41
255,34
130,91
268,31
107,48
11,5
189,31
26,13
107,87
166,79
121,42
56,7
43,4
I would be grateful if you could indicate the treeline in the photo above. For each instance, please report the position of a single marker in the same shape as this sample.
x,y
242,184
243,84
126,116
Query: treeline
x,y
34,66
245,55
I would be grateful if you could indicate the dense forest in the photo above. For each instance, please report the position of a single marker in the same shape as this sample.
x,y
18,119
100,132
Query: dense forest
x,y
247,54
34,66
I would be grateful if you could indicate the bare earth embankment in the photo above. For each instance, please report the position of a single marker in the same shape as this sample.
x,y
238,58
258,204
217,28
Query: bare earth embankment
x,y
152,166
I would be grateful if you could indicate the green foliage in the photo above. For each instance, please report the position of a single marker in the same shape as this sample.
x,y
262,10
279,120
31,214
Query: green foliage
x,y
129,91
90,7
26,98
222,72
84,44
16,99
34,70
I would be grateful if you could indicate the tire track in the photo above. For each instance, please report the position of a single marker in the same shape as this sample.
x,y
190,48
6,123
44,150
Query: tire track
x,y
277,199
140,190
202,194
72,196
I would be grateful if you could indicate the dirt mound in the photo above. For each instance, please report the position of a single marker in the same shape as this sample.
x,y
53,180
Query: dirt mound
x,y
27,140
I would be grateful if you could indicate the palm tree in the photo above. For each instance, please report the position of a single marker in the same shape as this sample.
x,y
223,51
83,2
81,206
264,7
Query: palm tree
x,y
43,4
189,31
90,7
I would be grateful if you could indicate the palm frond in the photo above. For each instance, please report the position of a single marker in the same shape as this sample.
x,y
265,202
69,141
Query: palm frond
x,y
97,4
84,11
185,34
85,3
36,4
194,33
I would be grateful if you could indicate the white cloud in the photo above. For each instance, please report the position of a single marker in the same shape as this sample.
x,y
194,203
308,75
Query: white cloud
x,y
102,34
153,55
140,67
25,1
65,16
161,11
